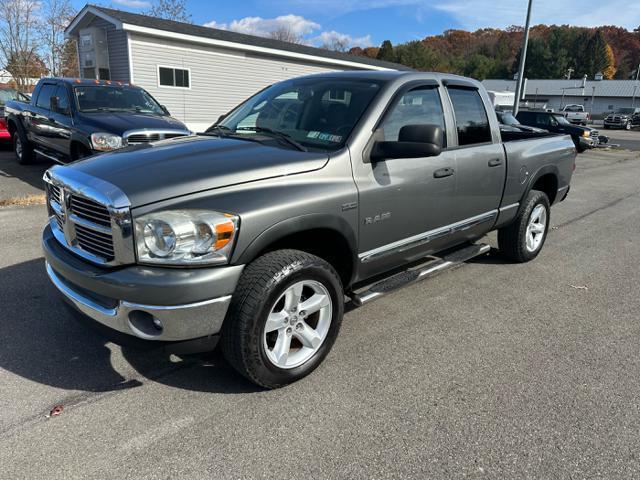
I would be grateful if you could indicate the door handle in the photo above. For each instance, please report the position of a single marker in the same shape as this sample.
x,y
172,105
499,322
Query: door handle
x,y
443,172
496,162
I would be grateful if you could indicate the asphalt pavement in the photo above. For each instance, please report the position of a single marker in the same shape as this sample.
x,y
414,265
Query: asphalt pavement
x,y
491,370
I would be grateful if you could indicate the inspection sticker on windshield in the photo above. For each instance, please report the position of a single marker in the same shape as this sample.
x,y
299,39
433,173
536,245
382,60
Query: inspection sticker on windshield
x,y
327,137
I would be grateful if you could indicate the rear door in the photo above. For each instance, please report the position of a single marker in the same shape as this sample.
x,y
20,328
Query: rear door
x,y
480,164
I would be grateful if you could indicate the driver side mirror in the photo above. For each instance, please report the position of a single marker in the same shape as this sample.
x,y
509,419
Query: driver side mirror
x,y
414,141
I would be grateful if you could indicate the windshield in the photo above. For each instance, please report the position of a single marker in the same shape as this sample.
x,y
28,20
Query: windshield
x,y
316,113
626,111
6,95
562,120
507,118
574,108
116,99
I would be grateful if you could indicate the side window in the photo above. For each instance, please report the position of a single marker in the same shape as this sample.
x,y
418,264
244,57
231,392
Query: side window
x,y
63,100
173,77
420,106
44,97
472,122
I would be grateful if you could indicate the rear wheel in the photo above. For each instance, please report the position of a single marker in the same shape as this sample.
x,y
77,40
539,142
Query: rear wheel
x,y
22,149
523,239
284,317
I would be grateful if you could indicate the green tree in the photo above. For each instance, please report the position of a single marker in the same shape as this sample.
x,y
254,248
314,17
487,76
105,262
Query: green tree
x,y
416,55
386,52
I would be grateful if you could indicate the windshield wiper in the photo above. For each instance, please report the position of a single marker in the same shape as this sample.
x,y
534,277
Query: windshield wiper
x,y
218,130
280,135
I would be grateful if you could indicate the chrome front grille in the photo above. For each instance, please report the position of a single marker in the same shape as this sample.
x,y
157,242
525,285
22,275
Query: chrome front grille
x,y
135,137
89,216
89,210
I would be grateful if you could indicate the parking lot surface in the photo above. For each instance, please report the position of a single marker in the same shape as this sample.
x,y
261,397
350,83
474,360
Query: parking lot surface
x,y
491,370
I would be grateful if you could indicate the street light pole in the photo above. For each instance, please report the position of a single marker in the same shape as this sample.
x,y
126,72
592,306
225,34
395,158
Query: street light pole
x,y
523,59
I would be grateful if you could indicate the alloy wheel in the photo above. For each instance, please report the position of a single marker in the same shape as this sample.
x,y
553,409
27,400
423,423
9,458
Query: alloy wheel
x,y
298,324
536,228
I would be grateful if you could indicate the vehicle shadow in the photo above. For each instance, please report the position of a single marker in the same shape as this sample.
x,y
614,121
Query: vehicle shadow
x,y
30,174
41,341
492,258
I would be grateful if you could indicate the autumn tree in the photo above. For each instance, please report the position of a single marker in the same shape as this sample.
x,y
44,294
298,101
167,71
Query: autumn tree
x,y
171,10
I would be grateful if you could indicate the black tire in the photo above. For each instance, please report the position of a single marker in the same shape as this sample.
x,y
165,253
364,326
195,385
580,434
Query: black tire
x,y
512,240
262,283
579,147
22,149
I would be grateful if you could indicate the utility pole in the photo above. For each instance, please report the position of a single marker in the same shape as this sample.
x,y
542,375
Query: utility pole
x,y
523,59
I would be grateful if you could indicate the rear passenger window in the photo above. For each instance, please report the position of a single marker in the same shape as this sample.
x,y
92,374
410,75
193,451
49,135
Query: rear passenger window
x,y
44,97
420,106
472,122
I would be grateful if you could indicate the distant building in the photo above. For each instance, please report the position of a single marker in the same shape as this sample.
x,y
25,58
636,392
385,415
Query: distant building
x,y
198,73
607,95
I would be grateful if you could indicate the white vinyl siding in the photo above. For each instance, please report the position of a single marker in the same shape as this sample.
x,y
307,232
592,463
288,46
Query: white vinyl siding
x,y
118,52
219,79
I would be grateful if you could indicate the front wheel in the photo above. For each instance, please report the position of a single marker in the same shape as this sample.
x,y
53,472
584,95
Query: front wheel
x,y
627,126
522,240
284,317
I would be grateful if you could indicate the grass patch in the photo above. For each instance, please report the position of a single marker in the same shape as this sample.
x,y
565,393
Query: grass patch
x,y
34,199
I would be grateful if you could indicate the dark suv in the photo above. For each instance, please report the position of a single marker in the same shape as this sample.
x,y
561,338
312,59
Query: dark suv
x,y
583,137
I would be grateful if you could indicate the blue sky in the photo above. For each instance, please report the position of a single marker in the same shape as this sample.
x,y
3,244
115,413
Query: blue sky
x,y
369,22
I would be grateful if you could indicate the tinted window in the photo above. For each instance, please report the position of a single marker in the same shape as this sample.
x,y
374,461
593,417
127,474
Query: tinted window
x,y
173,77
421,106
116,98
471,117
63,100
44,97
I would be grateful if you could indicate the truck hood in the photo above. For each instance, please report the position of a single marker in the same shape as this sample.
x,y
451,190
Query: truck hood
x,y
120,122
173,168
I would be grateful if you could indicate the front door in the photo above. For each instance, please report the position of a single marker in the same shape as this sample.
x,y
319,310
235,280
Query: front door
x,y
403,202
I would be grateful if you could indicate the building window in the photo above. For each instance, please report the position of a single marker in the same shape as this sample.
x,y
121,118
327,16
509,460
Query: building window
x,y
173,77
104,74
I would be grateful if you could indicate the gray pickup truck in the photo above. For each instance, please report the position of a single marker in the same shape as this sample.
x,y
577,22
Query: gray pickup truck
x,y
314,190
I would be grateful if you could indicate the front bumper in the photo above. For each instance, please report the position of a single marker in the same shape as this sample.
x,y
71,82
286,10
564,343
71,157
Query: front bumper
x,y
150,303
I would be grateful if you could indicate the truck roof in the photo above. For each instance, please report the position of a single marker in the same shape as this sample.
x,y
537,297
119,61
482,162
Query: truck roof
x,y
87,81
392,75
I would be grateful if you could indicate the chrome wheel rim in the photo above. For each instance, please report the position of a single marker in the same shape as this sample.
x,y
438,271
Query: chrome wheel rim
x,y
536,228
18,147
298,324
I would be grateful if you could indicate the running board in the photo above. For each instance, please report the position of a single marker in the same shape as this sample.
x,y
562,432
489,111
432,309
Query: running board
x,y
411,275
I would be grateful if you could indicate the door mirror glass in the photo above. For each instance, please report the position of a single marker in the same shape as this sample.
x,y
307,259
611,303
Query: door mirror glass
x,y
414,141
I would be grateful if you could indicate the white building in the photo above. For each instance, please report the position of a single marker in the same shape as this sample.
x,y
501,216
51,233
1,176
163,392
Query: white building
x,y
598,96
198,73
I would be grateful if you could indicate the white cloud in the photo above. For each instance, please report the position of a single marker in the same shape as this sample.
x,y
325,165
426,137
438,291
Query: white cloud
x,y
332,37
133,3
296,24
299,26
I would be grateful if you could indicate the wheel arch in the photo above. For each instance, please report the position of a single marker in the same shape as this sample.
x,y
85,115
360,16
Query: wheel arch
x,y
327,236
545,180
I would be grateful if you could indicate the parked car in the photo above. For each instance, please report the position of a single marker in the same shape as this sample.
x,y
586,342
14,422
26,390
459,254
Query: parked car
x,y
583,137
626,118
68,119
316,187
6,94
577,114
507,118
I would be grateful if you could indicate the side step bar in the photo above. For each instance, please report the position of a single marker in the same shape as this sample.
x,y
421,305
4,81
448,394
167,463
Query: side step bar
x,y
411,275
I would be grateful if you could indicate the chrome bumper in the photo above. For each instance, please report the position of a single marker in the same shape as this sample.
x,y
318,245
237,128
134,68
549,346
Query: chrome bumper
x,y
149,322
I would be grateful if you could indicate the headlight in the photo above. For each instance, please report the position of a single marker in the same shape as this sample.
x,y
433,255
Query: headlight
x,y
586,134
104,142
185,237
